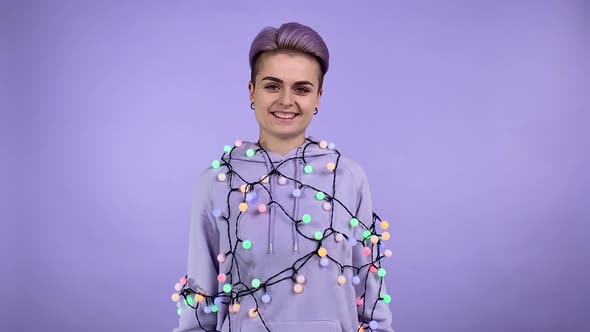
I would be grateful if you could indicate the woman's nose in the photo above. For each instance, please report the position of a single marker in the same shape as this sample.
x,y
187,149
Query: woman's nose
x,y
286,98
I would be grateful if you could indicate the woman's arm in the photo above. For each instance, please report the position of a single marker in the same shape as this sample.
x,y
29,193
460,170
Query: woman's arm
x,y
372,286
202,263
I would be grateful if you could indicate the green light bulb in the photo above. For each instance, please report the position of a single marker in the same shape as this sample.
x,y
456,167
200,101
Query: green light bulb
x,y
227,148
318,235
179,311
227,288
250,153
255,283
354,222
366,234
214,308
308,169
381,272
320,196
215,164
246,244
386,298
306,218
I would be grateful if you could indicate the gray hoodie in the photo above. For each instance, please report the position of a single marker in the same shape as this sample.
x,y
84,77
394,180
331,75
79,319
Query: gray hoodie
x,y
284,243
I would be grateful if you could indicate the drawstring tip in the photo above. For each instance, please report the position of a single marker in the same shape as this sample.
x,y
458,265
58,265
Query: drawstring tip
x,y
295,247
270,248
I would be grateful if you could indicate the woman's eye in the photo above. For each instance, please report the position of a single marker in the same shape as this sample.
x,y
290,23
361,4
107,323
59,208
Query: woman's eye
x,y
302,90
272,87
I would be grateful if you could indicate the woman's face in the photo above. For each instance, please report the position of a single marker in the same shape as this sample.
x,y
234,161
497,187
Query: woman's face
x,y
285,95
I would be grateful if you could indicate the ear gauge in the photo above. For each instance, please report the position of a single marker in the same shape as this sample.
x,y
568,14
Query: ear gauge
x,y
315,111
252,106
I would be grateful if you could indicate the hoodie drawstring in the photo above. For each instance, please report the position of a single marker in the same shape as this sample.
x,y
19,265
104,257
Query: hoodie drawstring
x,y
295,214
271,214
272,211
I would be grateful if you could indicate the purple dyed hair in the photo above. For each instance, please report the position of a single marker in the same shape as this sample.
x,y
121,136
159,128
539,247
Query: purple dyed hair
x,y
289,38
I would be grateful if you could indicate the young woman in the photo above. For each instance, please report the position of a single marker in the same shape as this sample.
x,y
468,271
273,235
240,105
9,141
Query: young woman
x,y
283,236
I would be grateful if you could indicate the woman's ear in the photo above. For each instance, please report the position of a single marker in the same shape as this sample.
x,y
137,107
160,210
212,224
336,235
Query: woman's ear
x,y
251,91
320,92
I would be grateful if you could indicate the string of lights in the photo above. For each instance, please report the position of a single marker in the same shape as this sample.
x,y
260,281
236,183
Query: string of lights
x,y
234,288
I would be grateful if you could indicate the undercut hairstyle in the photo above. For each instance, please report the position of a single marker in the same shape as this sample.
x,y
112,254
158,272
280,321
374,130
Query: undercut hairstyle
x,y
290,38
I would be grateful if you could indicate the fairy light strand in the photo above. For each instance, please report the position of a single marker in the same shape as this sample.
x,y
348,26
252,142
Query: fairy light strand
x,y
231,293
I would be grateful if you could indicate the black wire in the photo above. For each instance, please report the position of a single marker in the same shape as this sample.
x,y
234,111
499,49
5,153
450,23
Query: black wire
x,y
235,296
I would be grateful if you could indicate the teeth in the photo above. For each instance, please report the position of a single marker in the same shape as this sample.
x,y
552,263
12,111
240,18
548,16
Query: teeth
x,y
284,115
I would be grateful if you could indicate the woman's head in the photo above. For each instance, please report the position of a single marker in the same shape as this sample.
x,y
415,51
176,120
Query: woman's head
x,y
289,38
288,66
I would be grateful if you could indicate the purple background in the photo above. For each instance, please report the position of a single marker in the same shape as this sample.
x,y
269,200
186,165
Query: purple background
x,y
470,118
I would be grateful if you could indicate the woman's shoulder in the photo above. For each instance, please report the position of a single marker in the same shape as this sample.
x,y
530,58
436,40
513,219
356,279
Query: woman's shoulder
x,y
207,177
353,168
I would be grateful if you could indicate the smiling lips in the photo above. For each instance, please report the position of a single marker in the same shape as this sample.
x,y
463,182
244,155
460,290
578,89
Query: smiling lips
x,y
284,115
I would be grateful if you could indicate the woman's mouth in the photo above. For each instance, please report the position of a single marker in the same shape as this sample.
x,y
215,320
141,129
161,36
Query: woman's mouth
x,y
284,115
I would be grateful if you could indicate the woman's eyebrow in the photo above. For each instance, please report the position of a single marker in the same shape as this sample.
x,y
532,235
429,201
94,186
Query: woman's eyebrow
x,y
278,80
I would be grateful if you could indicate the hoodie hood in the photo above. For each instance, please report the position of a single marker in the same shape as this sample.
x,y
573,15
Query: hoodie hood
x,y
309,149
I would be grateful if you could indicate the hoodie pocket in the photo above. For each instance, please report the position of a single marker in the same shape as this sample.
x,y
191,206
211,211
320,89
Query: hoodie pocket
x,y
293,326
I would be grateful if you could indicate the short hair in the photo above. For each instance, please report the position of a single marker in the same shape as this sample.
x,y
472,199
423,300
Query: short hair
x,y
290,38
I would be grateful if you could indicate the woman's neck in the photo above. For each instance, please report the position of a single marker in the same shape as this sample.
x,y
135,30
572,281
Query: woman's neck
x,y
281,146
